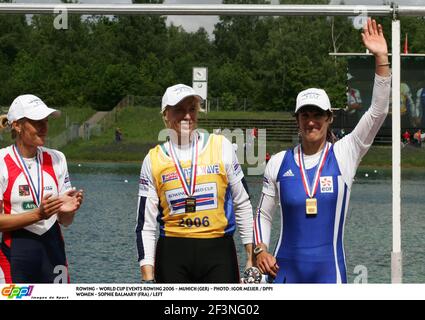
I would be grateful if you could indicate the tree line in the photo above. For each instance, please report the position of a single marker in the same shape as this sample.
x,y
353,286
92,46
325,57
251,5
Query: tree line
x,y
98,60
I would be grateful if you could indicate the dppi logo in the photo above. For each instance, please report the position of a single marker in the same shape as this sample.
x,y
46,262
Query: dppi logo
x,y
13,291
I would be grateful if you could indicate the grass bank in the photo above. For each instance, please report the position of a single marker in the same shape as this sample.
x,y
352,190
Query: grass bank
x,y
69,115
140,127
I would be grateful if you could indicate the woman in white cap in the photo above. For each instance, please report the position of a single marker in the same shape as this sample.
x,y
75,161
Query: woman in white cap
x,y
35,197
193,187
312,183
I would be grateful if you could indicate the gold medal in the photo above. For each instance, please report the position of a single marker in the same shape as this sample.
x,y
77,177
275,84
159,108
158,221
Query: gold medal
x,y
311,206
311,188
190,205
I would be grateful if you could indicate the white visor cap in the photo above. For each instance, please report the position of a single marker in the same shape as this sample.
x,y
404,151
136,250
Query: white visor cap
x,y
30,107
174,94
313,97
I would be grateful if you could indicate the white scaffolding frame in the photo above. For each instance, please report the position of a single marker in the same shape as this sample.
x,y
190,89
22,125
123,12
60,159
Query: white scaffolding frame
x,y
393,11
222,9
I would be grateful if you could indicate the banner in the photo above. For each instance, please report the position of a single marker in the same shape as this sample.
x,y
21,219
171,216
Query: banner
x,y
215,292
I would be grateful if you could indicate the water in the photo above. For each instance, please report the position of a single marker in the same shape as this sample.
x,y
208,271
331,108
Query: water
x,y
101,246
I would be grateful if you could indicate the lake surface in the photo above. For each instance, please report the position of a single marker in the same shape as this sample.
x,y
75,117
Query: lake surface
x,y
101,245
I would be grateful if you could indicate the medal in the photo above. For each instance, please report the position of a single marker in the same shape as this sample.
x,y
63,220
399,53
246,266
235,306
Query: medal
x,y
189,189
310,189
311,206
190,205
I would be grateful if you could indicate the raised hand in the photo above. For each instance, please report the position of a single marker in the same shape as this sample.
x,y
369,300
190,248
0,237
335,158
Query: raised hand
x,y
373,38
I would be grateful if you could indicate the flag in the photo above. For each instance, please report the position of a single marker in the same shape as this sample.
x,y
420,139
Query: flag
x,y
406,47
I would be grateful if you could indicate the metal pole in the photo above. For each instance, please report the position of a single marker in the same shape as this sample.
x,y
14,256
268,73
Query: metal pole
x,y
396,254
272,10
411,11
190,9
206,9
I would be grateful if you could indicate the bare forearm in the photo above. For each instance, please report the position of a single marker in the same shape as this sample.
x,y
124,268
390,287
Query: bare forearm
x,y
10,222
66,219
147,272
249,255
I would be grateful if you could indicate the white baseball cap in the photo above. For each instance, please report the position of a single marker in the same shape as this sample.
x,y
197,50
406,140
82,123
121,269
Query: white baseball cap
x,y
174,94
31,107
313,97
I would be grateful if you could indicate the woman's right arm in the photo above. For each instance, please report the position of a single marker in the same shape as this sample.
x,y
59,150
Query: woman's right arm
x,y
147,213
265,261
146,235
49,206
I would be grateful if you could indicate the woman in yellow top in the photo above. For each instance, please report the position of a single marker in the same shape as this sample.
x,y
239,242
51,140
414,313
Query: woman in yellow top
x,y
193,187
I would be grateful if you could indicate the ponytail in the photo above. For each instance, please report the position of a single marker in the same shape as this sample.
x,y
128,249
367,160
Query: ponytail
x,y
4,123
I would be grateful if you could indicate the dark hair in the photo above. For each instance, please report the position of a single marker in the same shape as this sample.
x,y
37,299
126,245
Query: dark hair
x,y
330,136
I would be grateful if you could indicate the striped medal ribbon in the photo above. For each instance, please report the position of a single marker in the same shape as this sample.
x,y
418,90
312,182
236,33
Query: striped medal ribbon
x,y
36,191
189,189
310,189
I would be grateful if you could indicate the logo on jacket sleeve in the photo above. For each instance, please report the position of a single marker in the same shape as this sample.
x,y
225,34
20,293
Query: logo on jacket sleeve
x,y
67,182
144,183
326,185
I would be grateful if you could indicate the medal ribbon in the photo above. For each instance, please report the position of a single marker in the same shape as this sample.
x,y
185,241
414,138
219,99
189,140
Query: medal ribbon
x,y
189,189
310,189
36,193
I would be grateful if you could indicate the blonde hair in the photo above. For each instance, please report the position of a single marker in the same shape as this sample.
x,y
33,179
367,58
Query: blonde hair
x,y
6,125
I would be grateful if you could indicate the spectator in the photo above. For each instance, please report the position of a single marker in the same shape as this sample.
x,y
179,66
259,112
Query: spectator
x,y
118,135
407,106
255,133
267,157
406,137
354,100
420,107
417,137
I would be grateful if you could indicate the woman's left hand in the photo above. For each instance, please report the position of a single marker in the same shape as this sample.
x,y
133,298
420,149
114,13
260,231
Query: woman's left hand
x,y
373,38
72,200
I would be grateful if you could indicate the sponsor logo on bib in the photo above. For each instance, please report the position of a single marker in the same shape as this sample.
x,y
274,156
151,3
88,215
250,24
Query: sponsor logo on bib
x,y
326,185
